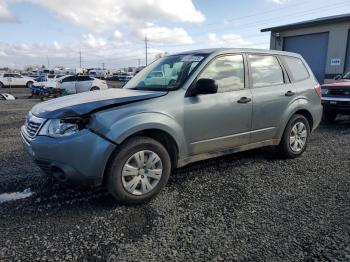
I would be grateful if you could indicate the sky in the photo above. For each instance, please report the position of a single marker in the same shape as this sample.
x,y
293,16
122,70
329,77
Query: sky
x,y
112,32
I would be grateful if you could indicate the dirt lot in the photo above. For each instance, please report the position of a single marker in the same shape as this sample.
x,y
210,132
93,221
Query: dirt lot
x,y
251,206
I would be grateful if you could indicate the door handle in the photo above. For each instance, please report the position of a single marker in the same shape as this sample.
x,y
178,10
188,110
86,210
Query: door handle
x,y
289,93
244,100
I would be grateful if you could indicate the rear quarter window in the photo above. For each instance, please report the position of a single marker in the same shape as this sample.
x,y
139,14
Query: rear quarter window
x,y
296,68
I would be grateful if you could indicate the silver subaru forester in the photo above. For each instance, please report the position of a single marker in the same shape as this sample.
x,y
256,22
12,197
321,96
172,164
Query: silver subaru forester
x,y
180,109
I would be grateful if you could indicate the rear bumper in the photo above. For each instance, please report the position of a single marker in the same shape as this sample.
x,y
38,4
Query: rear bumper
x,y
80,158
339,105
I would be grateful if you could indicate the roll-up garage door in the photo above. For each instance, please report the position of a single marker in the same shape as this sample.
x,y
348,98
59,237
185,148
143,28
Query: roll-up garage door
x,y
313,48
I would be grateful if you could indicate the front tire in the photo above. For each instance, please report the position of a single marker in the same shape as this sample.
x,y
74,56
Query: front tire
x,y
329,117
138,170
295,137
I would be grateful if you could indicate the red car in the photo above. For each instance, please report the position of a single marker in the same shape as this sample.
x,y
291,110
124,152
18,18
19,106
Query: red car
x,y
336,98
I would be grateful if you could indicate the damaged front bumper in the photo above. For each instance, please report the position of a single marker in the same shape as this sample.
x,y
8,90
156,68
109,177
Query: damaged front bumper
x,y
80,158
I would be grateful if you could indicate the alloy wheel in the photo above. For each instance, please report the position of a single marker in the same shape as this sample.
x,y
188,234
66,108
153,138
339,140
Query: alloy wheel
x,y
298,137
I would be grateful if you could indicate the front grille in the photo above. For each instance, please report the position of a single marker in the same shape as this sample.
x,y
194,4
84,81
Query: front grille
x,y
32,128
32,125
339,92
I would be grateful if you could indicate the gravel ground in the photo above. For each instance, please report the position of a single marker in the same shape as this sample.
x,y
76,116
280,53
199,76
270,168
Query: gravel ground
x,y
250,206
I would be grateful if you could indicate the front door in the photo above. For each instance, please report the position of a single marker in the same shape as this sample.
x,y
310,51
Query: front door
x,y
220,121
68,84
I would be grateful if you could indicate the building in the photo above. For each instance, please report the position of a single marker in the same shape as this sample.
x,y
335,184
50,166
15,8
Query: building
x,y
324,43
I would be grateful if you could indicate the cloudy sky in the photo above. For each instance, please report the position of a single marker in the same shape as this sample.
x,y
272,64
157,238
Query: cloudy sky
x,y
112,31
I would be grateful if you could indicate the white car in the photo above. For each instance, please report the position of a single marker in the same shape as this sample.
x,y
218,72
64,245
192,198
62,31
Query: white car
x,y
51,81
81,83
14,79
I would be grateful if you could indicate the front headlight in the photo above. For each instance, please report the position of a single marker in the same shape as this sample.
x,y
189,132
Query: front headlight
x,y
59,127
324,91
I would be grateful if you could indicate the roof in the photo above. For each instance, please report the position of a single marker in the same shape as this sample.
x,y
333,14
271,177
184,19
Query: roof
x,y
218,51
309,23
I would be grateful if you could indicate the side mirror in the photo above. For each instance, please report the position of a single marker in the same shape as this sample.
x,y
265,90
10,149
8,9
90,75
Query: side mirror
x,y
206,86
337,77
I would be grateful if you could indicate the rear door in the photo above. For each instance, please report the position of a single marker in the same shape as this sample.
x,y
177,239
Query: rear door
x,y
83,84
272,93
7,79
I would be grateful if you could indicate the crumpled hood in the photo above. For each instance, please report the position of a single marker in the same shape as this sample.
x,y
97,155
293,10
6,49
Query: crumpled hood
x,y
88,102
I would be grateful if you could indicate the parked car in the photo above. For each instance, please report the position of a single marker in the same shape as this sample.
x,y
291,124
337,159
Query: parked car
x,y
222,101
125,77
51,81
336,98
81,83
14,79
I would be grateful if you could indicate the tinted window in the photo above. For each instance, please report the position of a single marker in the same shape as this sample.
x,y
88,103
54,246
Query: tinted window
x,y
227,71
7,75
84,78
265,70
69,79
296,68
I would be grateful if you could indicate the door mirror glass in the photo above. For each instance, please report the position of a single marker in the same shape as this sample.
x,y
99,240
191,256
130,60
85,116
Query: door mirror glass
x,y
206,86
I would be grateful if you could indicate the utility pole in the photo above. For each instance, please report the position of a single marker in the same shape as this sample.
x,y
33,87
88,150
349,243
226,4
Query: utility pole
x,y
48,62
146,47
138,62
103,66
80,58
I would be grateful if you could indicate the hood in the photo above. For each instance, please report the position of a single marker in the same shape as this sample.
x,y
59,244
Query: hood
x,y
89,102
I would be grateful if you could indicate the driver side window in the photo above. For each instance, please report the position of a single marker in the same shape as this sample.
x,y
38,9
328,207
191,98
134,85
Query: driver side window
x,y
227,71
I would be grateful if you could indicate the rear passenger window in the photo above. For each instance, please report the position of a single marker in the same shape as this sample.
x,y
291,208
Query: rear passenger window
x,y
227,71
296,68
265,70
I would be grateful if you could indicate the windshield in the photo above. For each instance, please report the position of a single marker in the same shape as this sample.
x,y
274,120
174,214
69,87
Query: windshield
x,y
167,73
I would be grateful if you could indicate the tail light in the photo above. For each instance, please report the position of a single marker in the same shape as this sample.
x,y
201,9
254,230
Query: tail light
x,y
318,90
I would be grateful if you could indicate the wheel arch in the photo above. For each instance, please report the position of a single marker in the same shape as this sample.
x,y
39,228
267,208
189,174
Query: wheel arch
x,y
159,135
297,111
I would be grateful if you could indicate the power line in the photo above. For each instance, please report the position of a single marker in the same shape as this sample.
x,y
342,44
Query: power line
x,y
258,22
307,12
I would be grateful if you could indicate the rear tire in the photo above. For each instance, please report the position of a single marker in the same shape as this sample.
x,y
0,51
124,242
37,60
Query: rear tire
x,y
295,137
329,117
134,177
94,88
